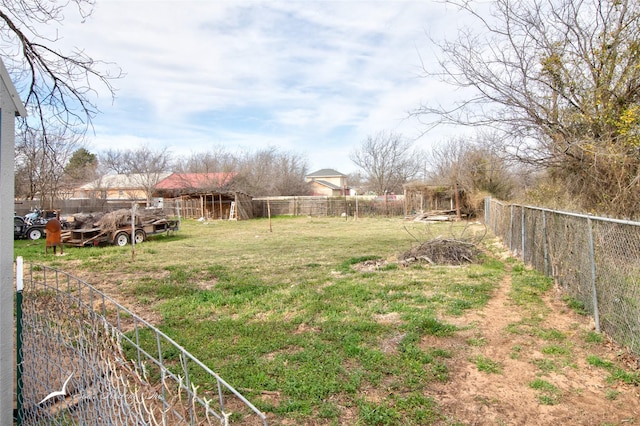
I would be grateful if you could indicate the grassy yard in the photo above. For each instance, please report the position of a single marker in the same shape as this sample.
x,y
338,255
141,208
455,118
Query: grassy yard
x,y
288,318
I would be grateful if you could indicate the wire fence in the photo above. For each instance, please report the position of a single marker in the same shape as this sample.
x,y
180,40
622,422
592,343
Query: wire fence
x,y
84,359
595,260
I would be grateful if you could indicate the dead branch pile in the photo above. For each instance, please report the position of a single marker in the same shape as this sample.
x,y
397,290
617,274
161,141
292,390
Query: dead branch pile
x,y
441,251
83,220
117,219
114,220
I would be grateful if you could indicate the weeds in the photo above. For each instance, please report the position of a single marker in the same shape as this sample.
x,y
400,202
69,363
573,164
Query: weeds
x,y
617,374
549,393
487,365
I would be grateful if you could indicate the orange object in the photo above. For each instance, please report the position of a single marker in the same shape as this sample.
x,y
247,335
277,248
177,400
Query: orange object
x,y
53,229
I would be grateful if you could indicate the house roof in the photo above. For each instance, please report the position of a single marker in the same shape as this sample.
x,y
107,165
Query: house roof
x,y
325,173
20,110
327,184
195,180
133,180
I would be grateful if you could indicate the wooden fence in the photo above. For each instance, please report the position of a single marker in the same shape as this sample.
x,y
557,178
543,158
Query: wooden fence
x,y
245,208
327,206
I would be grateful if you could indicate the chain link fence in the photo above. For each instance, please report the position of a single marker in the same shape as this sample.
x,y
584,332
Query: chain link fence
x,y
83,359
595,260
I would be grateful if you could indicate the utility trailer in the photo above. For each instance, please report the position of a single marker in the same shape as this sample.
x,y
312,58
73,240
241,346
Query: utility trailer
x,y
119,235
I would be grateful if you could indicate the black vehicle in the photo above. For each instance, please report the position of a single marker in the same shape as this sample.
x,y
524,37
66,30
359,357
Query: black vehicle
x,y
25,229
32,225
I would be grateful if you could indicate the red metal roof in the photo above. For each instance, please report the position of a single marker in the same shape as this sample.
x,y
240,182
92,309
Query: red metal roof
x,y
195,180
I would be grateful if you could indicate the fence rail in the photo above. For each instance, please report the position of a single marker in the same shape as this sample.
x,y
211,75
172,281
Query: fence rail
x,y
595,260
108,365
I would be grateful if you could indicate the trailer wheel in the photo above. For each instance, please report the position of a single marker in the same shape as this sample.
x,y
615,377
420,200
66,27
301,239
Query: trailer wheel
x,y
140,236
35,234
121,239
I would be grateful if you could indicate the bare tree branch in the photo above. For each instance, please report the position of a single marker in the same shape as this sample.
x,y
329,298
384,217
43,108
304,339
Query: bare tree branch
x,y
57,87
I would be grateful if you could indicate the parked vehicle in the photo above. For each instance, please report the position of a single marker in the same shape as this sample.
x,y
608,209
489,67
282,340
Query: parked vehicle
x,y
32,225
26,229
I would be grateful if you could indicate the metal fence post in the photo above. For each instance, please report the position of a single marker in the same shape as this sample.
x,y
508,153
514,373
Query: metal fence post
x,y
594,293
487,205
545,254
511,227
522,236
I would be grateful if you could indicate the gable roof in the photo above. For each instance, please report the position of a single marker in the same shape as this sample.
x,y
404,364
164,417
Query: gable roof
x,y
325,173
20,110
195,180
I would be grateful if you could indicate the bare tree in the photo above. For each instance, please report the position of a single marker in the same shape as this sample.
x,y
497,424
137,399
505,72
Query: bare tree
x,y
472,165
57,85
217,160
560,80
272,172
40,170
145,166
388,161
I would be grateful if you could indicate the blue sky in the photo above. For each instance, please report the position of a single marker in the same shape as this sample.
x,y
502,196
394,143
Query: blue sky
x,y
310,77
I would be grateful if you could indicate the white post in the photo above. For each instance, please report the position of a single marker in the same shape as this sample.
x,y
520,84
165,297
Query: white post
x,y
19,273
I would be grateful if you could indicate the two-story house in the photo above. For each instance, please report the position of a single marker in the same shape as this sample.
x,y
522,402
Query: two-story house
x,y
327,182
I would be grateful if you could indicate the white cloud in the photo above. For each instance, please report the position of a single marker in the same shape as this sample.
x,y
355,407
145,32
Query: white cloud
x,y
312,76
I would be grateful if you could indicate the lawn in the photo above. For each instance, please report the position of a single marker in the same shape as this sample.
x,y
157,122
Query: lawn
x,y
290,318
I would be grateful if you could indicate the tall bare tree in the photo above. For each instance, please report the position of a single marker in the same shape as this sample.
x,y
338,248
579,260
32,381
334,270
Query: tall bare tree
x,y
471,165
388,161
561,80
216,160
40,170
144,165
57,86
270,171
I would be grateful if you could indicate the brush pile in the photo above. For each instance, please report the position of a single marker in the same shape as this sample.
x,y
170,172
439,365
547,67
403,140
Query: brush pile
x,y
440,251
117,219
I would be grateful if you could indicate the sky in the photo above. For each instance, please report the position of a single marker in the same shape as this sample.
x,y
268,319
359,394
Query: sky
x,y
314,78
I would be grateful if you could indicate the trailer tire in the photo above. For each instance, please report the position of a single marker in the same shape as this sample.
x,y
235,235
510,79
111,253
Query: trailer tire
x,y
35,234
140,236
121,239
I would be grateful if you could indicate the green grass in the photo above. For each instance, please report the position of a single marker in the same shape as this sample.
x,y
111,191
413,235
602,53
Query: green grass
x,y
289,312
487,365
576,305
548,394
617,373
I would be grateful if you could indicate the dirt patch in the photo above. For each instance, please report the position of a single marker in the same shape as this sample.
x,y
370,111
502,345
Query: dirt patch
x,y
583,396
117,285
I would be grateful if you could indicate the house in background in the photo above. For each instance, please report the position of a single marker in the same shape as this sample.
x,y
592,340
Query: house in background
x,y
119,187
327,182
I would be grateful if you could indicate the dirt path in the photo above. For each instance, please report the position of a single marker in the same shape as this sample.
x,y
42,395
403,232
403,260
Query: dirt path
x,y
582,396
